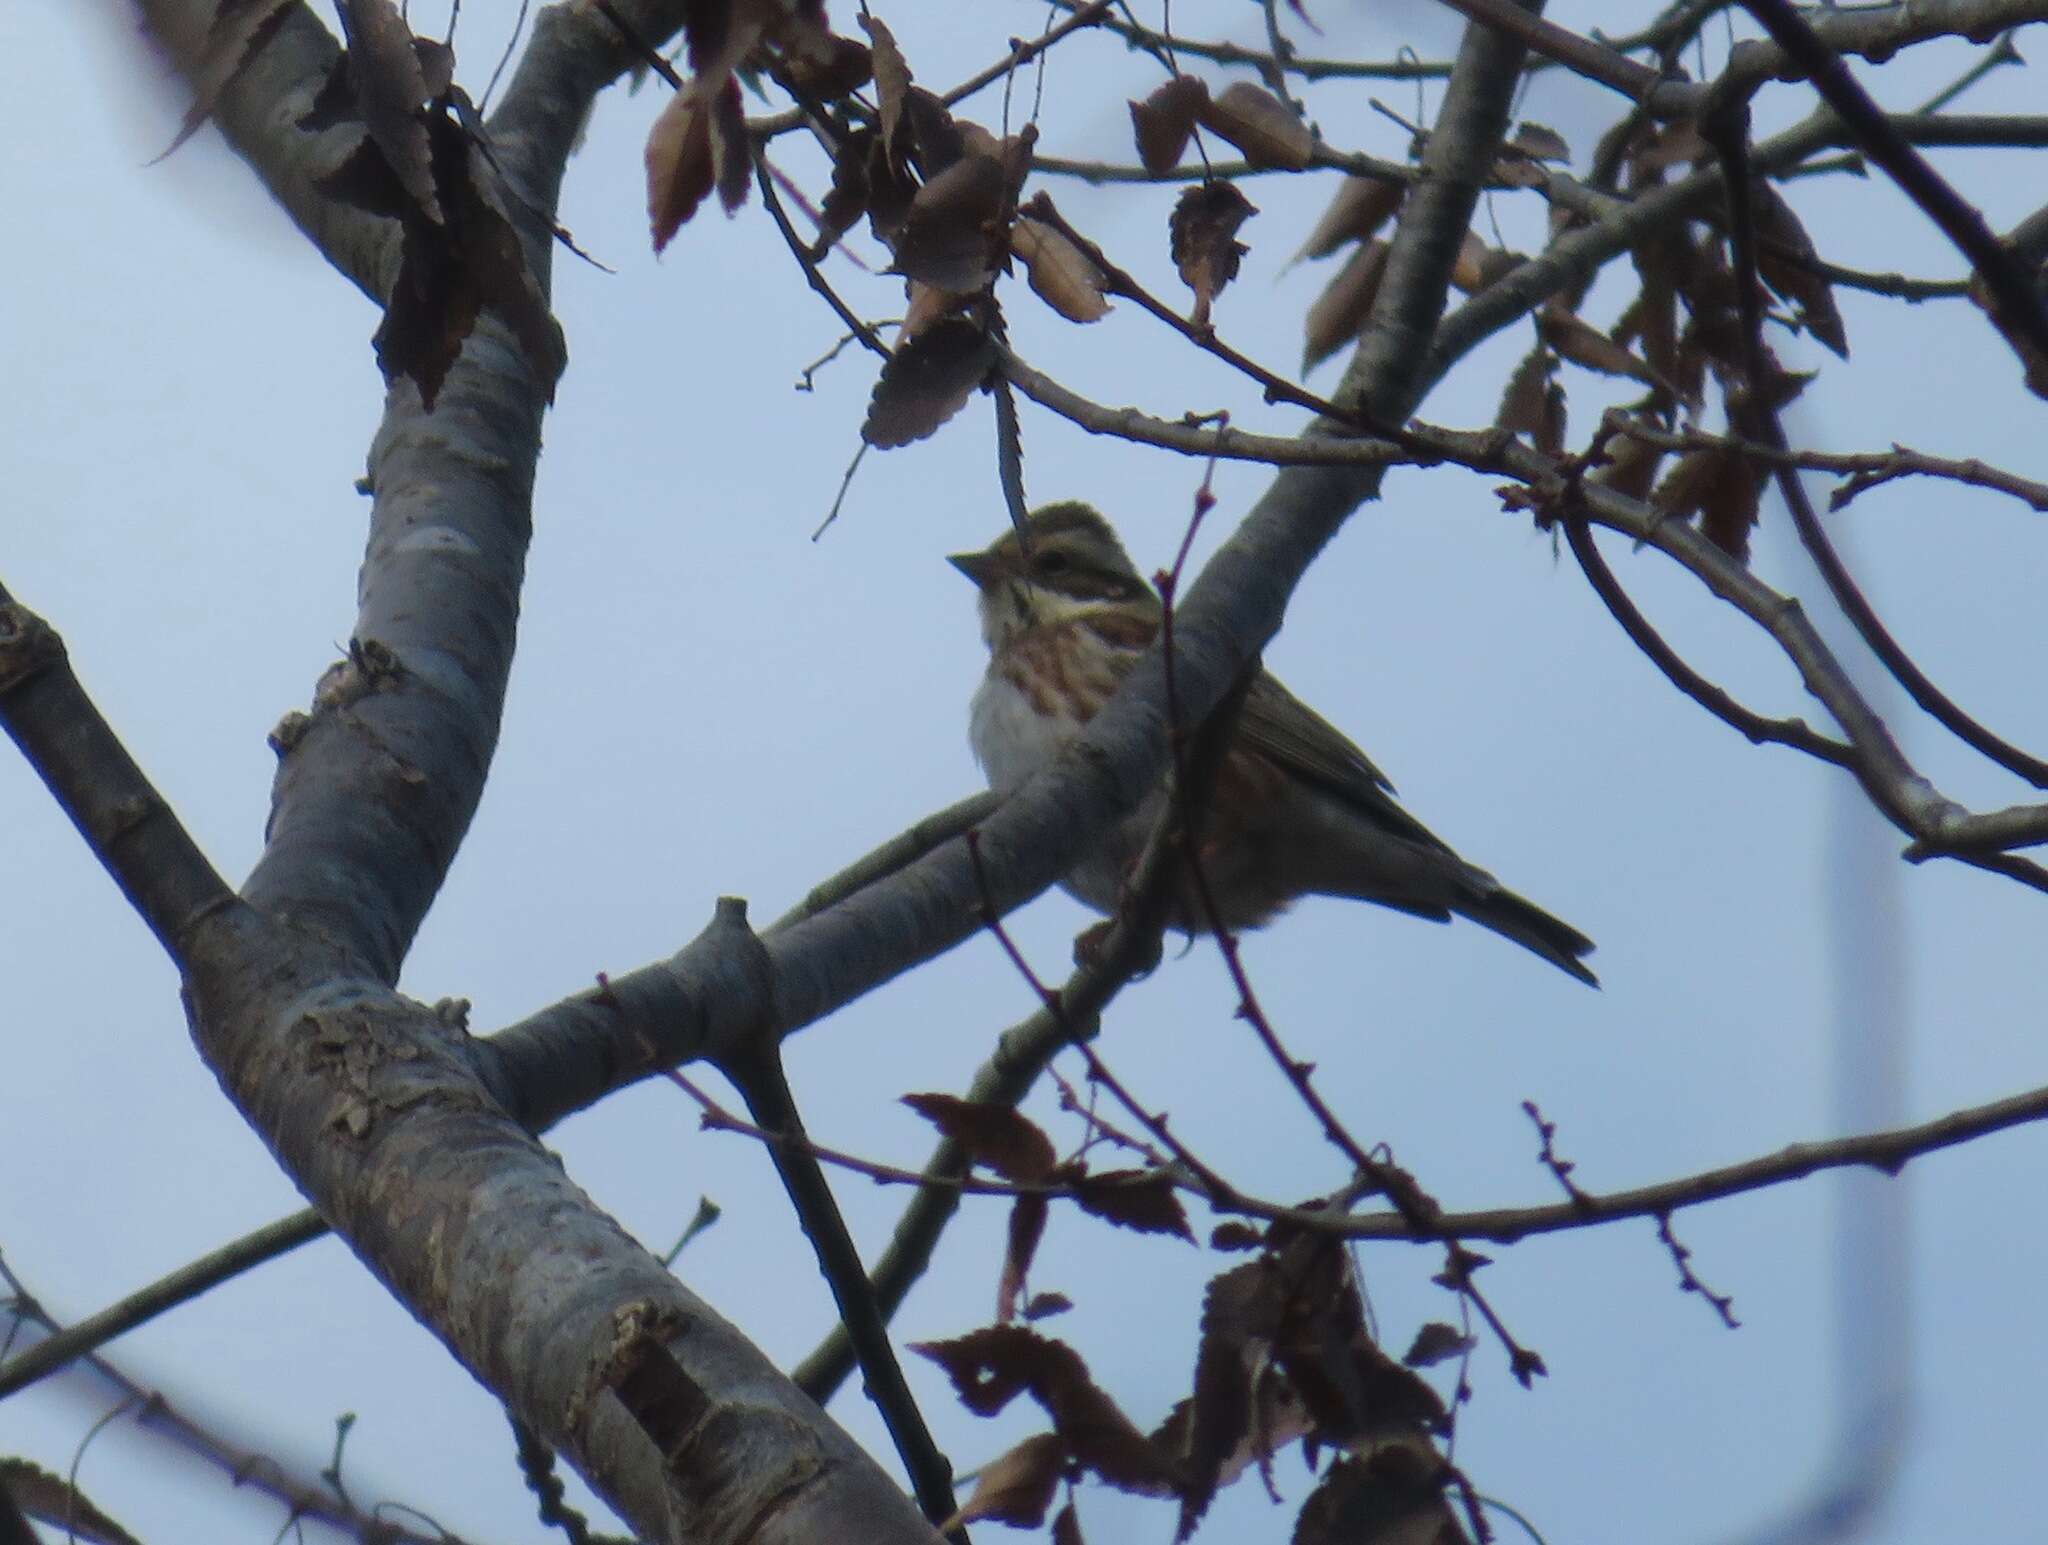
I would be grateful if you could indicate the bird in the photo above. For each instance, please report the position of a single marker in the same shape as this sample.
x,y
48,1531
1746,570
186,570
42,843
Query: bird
x,y
1295,808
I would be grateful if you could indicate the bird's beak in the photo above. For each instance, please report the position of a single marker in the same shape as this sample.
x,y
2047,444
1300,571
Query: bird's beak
x,y
980,567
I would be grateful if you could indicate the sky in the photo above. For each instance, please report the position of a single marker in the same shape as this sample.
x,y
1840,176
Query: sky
x,y
707,702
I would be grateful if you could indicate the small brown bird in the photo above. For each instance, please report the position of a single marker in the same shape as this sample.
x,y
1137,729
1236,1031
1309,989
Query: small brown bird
x,y
1296,809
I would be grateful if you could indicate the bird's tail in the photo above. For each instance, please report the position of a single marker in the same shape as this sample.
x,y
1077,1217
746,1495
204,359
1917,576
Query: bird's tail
x,y
1491,905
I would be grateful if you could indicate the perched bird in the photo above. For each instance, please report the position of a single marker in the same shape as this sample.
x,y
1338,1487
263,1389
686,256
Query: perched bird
x,y
1295,809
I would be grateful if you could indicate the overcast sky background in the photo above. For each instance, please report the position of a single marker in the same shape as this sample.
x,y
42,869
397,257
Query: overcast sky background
x,y
707,702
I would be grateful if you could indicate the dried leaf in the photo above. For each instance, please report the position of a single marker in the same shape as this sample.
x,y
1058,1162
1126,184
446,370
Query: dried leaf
x,y
1017,1487
1435,1342
1259,124
1203,230
1539,142
390,88
1138,1199
1479,265
994,1135
1361,207
237,34
836,69
1236,1236
1631,466
680,166
926,304
847,199
1584,344
1043,1306
1722,487
1784,251
1677,142
449,272
1395,1496
892,77
989,1368
1162,122
1060,273
1533,403
1027,1227
1340,311
949,233
1066,1527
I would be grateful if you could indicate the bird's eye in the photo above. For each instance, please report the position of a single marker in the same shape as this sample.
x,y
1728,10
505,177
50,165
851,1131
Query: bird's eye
x,y
1053,562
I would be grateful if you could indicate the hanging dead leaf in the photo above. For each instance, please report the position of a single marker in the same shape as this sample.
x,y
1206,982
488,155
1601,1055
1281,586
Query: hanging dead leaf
x,y
1784,258
1435,1342
990,1368
1236,1236
1584,344
1259,124
1722,487
1066,1527
237,34
1061,274
1162,122
680,165
1203,230
1533,403
1340,311
924,305
847,199
1479,265
1043,1306
1631,466
448,273
1539,142
892,77
1362,205
1394,1496
995,1136
1017,1487
838,68
1027,1227
1143,1200
950,230
390,88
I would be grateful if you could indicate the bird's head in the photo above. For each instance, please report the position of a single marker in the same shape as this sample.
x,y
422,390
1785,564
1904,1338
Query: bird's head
x,y
1065,563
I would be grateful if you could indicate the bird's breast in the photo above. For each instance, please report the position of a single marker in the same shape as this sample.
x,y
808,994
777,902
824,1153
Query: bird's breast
x,y
1016,727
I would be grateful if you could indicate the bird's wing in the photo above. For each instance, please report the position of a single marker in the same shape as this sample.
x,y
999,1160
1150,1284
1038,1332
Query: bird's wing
x,y
1278,724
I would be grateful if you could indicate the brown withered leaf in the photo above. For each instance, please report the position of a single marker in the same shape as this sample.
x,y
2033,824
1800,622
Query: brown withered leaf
x,y
991,1367
1060,273
1784,251
1631,466
235,36
950,231
1479,265
1066,1527
1395,1496
680,166
924,305
1027,1227
1361,206
1162,122
994,1135
2029,246
1017,1487
1242,1312
1259,124
1435,1342
1138,1199
847,199
449,272
43,1494
1043,1306
1722,487
1584,344
837,68
1539,142
1676,143
892,77
1236,1236
930,133
1340,311
1533,403
390,88
1205,248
